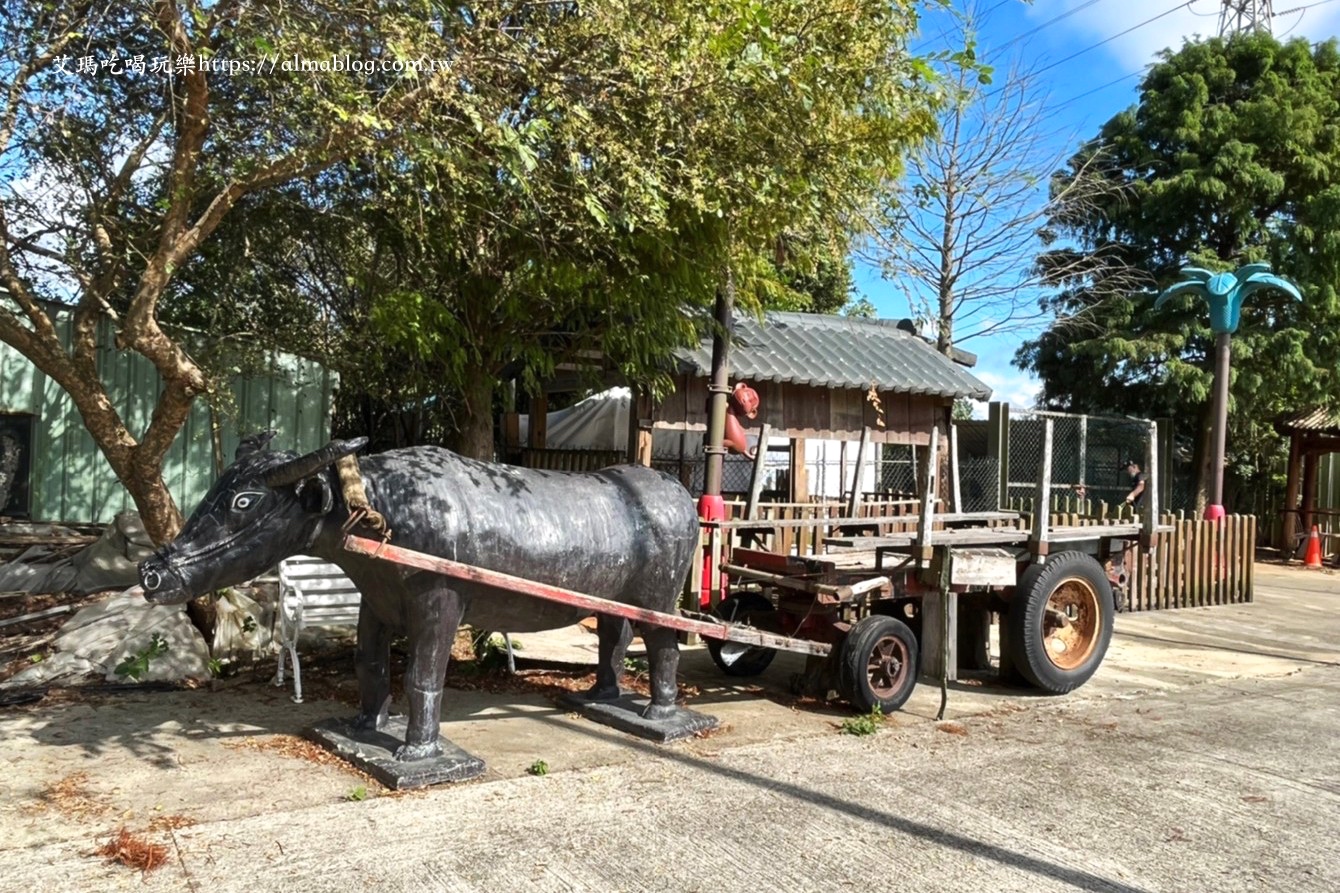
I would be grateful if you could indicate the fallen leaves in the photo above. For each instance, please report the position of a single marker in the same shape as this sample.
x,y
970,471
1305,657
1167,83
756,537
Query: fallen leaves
x,y
133,851
70,797
170,822
299,749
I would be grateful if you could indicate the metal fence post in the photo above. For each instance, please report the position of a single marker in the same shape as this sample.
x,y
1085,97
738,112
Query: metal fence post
x,y
998,448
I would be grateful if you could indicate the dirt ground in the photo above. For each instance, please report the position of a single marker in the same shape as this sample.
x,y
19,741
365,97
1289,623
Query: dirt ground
x,y
84,761
79,764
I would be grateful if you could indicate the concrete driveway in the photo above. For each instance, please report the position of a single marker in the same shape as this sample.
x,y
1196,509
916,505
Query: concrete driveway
x,y
1204,756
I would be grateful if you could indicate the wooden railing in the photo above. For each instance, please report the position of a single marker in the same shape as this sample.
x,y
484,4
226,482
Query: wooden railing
x,y
571,460
1069,505
798,528
1195,562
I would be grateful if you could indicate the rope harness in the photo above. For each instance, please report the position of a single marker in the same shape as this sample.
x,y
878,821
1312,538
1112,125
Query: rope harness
x,y
356,499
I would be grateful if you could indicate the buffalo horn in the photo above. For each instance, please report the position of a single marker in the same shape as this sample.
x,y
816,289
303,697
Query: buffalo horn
x,y
303,467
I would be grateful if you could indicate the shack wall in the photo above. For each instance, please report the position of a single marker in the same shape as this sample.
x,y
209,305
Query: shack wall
x,y
70,481
804,411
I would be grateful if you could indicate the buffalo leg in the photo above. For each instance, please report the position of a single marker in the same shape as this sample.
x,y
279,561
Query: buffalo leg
x,y
372,664
432,630
663,658
613,634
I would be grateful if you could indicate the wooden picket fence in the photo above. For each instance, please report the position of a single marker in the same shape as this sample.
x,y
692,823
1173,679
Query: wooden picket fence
x,y
1199,563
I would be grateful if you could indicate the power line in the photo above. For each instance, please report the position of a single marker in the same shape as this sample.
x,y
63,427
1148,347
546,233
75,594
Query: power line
x,y
1047,24
944,32
1112,83
1295,25
1285,12
1107,40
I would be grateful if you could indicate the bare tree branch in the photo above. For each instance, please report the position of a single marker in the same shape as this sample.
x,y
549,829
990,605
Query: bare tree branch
x,y
961,233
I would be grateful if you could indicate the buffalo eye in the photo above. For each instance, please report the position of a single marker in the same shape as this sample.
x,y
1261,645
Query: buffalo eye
x,y
244,501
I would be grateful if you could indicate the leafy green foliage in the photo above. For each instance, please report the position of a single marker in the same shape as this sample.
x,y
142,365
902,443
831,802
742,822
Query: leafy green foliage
x,y
136,666
570,182
118,179
1230,157
605,180
539,767
357,794
863,723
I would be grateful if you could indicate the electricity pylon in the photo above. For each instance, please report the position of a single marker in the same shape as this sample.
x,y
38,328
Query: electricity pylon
x,y
1236,16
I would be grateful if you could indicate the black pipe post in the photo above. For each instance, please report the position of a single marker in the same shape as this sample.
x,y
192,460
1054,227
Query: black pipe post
x,y
719,389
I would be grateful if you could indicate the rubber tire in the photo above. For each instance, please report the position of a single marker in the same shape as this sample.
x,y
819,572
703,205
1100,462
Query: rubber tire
x,y
1022,624
854,664
754,660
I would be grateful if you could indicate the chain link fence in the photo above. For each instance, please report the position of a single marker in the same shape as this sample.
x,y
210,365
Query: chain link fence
x,y
978,487
898,470
1088,452
830,467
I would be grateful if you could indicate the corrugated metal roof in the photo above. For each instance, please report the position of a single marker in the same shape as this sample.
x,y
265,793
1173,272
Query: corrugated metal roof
x,y
1318,420
837,352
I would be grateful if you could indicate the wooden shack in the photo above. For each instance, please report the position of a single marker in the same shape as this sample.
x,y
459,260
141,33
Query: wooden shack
x,y
823,376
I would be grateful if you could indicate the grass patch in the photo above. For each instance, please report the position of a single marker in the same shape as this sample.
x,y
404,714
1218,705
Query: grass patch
x,y
864,723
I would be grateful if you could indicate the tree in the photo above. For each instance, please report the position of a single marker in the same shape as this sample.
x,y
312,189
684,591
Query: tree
x,y
960,232
129,135
1229,158
647,154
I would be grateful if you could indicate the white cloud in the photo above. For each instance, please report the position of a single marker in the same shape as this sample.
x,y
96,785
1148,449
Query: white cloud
x,y
1132,51
1008,385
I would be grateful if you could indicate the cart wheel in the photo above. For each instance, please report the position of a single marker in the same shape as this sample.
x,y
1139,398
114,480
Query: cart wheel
x,y
877,664
736,658
1060,622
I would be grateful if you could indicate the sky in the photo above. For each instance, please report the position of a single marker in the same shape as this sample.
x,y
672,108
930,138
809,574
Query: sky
x,y
1093,53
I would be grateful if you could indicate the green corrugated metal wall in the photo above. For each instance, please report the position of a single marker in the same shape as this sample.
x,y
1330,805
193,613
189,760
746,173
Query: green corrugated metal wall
x,y
70,480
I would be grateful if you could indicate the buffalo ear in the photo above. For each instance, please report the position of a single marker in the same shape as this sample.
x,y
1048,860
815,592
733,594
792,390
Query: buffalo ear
x,y
253,443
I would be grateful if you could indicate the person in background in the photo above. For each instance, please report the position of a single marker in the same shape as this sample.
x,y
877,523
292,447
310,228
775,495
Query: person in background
x,y
1137,479
742,404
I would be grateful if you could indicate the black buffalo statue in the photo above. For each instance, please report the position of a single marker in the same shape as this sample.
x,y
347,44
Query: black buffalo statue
x,y
625,533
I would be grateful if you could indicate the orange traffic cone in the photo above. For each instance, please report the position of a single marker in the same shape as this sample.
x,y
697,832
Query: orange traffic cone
x,y
1312,558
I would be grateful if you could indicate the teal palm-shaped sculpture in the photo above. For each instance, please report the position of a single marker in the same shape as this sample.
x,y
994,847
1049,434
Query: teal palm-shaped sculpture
x,y
1225,293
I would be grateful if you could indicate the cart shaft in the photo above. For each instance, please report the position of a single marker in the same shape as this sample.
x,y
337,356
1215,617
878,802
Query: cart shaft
x,y
712,629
